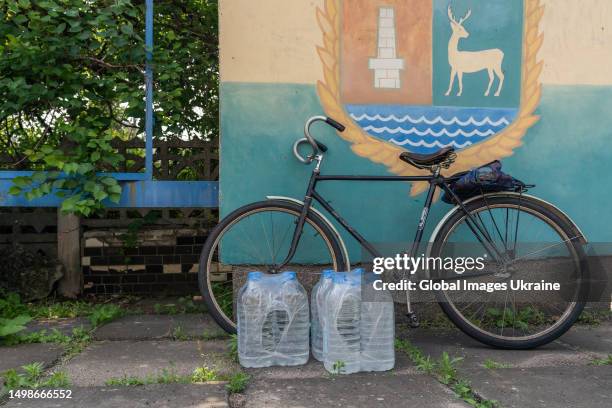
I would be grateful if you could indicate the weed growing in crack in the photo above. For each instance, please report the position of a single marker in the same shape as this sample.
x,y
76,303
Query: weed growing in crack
x,y
32,378
493,365
602,361
238,382
445,371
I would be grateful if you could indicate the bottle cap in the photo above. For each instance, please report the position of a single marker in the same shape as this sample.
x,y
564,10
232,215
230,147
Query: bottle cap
x,y
327,274
254,276
289,275
339,277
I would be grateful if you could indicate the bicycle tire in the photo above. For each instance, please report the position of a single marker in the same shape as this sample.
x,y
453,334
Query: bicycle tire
x,y
204,281
557,219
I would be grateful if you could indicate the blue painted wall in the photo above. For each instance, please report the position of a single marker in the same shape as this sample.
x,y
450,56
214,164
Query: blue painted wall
x,y
566,154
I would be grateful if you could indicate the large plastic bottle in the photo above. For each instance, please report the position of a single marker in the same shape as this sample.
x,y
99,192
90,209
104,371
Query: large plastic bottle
x,y
273,321
341,330
377,327
317,302
293,321
252,304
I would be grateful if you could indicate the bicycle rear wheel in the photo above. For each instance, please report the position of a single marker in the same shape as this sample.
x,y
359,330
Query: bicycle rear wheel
x,y
535,244
257,237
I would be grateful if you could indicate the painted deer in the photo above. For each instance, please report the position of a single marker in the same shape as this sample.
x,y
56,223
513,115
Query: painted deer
x,y
466,62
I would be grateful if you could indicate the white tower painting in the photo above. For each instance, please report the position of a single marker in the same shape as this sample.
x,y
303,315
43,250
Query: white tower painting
x,y
386,66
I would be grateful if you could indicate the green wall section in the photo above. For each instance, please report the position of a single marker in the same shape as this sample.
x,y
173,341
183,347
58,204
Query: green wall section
x,y
566,155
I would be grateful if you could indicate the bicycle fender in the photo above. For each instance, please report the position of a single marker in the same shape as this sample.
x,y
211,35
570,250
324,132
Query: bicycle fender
x,y
561,214
325,220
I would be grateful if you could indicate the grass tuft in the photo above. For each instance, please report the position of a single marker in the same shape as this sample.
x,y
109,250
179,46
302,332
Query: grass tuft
x,y
238,382
494,365
602,361
32,378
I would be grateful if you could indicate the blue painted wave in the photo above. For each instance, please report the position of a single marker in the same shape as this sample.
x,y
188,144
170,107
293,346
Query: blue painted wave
x,y
427,129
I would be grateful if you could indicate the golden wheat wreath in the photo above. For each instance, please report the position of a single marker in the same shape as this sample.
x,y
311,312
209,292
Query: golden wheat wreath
x,y
379,151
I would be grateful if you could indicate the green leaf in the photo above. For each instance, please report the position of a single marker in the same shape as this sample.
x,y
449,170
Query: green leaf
x,y
14,190
115,189
89,186
22,182
39,176
100,195
108,181
85,168
12,326
59,183
45,188
60,28
47,149
71,168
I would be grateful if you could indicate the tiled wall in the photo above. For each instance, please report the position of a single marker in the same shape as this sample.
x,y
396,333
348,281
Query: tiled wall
x,y
162,262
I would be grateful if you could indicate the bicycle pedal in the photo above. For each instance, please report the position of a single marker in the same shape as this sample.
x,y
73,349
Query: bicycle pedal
x,y
413,320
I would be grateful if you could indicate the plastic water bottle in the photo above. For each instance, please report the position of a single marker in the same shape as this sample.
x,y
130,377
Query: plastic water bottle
x,y
341,330
252,304
293,321
317,302
377,328
273,321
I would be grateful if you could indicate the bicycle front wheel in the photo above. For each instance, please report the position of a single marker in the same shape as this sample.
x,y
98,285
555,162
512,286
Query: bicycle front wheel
x,y
529,245
257,237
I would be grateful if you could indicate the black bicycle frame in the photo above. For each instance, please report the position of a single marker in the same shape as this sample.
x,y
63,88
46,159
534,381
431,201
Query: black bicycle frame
x,y
435,180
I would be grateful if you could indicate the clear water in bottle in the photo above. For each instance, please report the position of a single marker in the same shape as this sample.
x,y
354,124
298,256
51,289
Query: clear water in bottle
x,y
377,327
252,304
341,330
293,318
317,302
273,321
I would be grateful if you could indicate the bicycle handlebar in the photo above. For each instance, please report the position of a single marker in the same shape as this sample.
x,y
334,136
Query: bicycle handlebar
x,y
315,144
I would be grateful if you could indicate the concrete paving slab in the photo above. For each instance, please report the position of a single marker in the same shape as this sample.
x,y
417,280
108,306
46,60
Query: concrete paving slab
x,y
359,390
65,326
17,356
150,396
112,359
152,327
436,341
596,340
543,387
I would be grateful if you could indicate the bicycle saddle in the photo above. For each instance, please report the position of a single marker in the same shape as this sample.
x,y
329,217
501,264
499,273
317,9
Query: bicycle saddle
x,y
426,160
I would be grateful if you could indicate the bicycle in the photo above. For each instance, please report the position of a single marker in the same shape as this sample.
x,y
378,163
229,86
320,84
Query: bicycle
x,y
283,233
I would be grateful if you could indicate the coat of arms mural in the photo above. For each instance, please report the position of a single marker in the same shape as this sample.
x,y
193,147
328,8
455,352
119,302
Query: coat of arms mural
x,y
420,75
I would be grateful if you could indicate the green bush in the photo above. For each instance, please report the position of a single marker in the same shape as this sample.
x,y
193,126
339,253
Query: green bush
x,y
71,75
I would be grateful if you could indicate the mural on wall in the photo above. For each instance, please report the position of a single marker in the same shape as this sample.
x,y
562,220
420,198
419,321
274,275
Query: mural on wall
x,y
419,75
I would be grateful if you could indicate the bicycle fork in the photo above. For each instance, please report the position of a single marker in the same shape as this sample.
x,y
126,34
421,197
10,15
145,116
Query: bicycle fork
x,y
297,233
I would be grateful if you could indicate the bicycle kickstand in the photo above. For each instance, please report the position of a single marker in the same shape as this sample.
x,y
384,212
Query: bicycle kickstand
x,y
413,319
